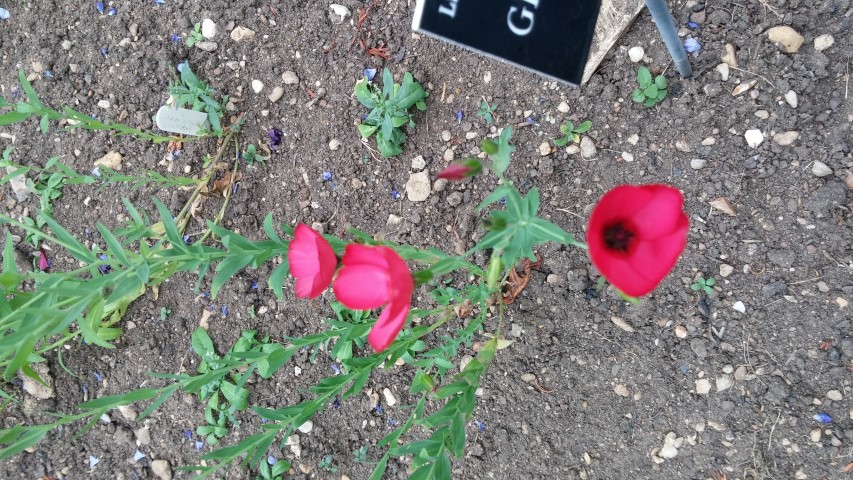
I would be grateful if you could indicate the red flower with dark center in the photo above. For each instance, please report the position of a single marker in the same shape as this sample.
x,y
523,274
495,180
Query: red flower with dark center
x,y
636,234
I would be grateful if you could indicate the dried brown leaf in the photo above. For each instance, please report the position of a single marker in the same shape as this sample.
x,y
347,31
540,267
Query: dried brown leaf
x,y
724,205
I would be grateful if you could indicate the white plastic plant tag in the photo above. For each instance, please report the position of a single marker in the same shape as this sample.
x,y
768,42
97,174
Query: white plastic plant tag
x,y
181,120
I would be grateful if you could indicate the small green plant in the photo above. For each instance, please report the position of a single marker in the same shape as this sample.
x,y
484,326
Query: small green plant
x,y
704,284
189,90
251,156
326,464
164,313
652,90
390,110
273,468
572,133
360,454
195,35
487,111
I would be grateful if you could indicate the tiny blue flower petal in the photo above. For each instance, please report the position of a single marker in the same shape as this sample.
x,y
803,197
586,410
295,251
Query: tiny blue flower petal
x,y
369,73
97,376
459,116
254,285
48,74
378,410
224,311
93,461
480,425
105,51
187,239
823,418
159,2
199,445
271,460
175,38
188,434
181,65
337,403
327,176
236,188
112,11
4,14
395,194
96,171
336,368
693,25
100,7
138,455
692,45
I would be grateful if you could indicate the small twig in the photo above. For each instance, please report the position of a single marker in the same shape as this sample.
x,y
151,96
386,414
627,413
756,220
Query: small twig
x,y
757,75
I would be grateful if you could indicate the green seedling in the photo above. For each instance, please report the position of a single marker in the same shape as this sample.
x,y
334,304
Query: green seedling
x,y
326,464
652,90
272,468
360,454
487,111
195,35
390,110
164,313
572,133
703,284
251,156
188,90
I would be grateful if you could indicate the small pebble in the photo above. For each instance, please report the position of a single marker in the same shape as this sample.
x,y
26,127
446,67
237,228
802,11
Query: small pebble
x,y
703,386
306,427
207,46
276,94
834,395
628,156
622,391
739,306
334,144
635,54
820,169
791,98
588,150
726,270
257,86
544,149
786,138
390,398
753,137
681,331
723,70
698,163
418,163
208,29
823,42
289,78
161,469
563,107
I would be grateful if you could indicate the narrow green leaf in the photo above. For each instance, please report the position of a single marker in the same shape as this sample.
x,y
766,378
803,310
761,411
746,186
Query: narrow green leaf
x,y
113,401
277,277
227,269
113,245
28,89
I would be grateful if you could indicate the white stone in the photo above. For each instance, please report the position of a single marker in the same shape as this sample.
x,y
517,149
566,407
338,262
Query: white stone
x,y
820,169
545,149
563,107
340,11
257,86
104,104
35,388
786,138
334,144
753,137
726,270
207,46
143,436
127,412
276,94
289,77
762,114
681,331
724,382
418,186
635,54
241,34
815,435
306,427
208,29
723,70
622,391
588,150
633,139
111,160
162,469
487,77
791,98
390,398
739,306
786,37
668,450
393,220
418,163
19,186
446,135
823,42
698,163
703,386
834,395
628,156
708,141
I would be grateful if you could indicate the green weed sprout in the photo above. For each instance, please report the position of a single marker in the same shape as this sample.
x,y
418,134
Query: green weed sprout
x,y
195,35
390,110
189,90
651,91
572,133
703,284
487,111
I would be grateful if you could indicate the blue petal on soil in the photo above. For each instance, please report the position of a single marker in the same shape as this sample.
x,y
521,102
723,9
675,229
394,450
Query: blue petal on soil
x,y
159,2
224,311
187,239
692,45
205,294
93,461
138,455
188,434
236,187
480,425
693,25
378,410
199,445
395,194
100,7
181,65
96,171
369,73
48,74
175,38
337,403
271,460
112,11
327,176
336,368
4,14
105,51
459,116
254,285
393,422
823,418
275,139
98,377
333,185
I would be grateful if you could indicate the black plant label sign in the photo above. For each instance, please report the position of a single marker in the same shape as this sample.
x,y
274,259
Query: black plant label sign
x,y
551,37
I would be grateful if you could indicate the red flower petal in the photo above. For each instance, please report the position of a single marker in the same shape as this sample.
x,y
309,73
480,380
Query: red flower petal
x,y
388,326
312,261
636,234
454,171
362,287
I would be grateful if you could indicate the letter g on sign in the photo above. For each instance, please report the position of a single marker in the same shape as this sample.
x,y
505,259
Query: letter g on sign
x,y
525,19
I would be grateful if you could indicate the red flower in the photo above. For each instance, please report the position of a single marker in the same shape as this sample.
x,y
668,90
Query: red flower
x,y
312,262
636,234
372,277
44,263
460,171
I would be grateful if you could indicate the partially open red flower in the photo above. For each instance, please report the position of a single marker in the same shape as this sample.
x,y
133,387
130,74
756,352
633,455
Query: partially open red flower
x,y
372,277
312,262
636,234
460,171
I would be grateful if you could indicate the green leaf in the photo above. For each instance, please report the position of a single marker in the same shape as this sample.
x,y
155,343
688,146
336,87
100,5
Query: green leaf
x,y
367,130
660,82
363,93
500,160
9,118
661,95
237,397
74,247
561,142
227,269
44,123
545,231
113,401
583,127
651,91
28,89
202,344
532,201
277,278
387,84
113,245
637,96
650,102
644,77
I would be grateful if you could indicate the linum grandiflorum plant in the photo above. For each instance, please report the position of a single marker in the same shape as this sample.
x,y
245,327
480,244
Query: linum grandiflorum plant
x,y
635,236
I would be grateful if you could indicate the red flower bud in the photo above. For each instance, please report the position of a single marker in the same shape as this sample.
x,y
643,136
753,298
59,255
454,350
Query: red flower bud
x,y
459,171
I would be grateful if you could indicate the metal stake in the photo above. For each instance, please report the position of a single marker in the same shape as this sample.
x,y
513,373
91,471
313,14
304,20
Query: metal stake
x,y
666,26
